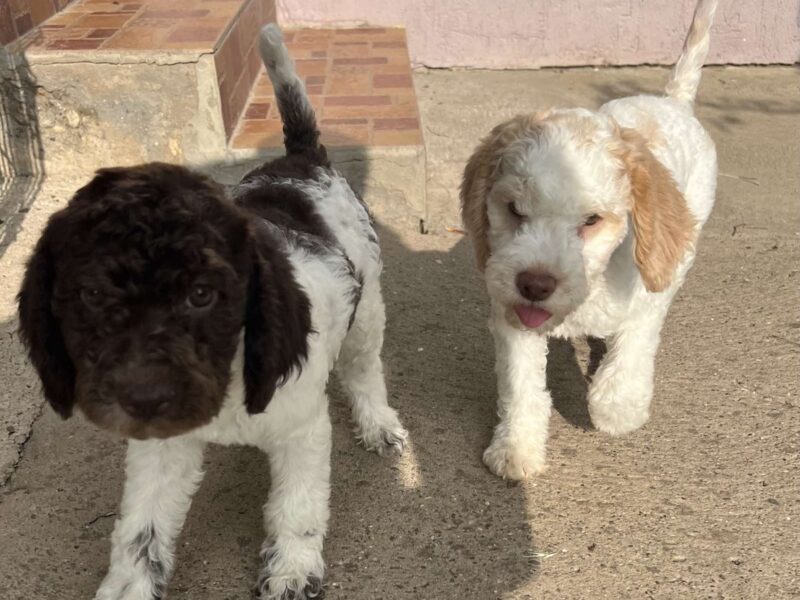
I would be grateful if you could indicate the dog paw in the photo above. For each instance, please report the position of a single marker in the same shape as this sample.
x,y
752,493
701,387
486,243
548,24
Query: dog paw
x,y
285,579
618,411
312,589
511,459
123,582
133,590
613,420
383,435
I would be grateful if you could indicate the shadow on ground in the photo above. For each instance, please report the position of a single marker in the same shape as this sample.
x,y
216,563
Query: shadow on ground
x,y
726,112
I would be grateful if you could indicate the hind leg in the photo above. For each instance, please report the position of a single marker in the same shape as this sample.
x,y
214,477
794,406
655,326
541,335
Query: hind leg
x,y
361,372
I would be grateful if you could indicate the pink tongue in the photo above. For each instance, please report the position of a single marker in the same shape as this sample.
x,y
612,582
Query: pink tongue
x,y
531,316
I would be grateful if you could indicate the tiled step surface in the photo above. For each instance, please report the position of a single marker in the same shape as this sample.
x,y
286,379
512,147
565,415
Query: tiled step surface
x,y
137,25
18,17
359,82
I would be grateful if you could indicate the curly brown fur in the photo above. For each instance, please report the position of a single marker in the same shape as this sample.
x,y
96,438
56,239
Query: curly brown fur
x,y
106,307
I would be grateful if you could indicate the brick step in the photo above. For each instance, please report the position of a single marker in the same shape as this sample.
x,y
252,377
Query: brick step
x,y
359,82
121,82
146,30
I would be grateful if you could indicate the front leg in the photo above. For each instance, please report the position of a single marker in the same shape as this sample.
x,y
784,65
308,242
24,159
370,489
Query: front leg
x,y
518,446
161,478
622,387
296,514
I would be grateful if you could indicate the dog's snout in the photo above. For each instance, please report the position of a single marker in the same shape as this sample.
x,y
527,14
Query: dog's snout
x,y
535,286
147,399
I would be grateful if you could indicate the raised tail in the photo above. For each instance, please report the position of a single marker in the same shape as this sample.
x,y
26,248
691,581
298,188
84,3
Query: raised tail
x,y
300,133
686,75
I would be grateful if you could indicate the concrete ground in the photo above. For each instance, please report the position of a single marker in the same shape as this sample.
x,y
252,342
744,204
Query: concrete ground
x,y
700,503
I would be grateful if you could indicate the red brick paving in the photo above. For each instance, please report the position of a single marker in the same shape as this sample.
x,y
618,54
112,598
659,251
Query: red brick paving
x,y
146,25
18,17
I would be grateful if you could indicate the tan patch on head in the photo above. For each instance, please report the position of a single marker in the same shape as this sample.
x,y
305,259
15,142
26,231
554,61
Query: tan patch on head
x,y
583,128
481,172
662,225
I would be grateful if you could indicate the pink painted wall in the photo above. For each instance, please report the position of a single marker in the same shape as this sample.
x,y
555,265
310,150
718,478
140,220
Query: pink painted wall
x,y
538,33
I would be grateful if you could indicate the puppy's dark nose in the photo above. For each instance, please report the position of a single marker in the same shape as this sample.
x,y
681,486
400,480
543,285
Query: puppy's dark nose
x,y
147,400
535,286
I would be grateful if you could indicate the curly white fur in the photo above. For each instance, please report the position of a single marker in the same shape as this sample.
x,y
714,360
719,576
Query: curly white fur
x,y
537,179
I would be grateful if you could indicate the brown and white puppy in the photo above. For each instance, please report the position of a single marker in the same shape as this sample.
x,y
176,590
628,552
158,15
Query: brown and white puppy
x,y
174,316
585,223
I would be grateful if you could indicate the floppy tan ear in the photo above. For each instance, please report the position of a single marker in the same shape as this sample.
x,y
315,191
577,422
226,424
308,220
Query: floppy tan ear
x,y
480,174
663,228
474,188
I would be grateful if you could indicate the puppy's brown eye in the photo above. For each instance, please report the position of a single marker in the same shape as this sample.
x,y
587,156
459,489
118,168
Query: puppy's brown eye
x,y
592,220
201,296
92,297
512,208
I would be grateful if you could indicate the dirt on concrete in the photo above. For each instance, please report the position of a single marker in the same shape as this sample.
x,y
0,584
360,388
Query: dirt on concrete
x,y
702,502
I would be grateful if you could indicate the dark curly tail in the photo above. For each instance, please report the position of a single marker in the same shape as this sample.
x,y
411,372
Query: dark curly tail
x,y
300,133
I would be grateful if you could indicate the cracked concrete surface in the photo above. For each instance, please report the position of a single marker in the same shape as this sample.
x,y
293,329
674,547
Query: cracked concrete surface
x,y
700,503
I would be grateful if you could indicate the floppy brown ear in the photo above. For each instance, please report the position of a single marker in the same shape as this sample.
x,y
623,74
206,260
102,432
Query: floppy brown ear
x,y
276,328
480,173
40,329
663,228
474,188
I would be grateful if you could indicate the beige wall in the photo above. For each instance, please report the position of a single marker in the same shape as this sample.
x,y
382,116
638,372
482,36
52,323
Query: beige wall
x,y
537,33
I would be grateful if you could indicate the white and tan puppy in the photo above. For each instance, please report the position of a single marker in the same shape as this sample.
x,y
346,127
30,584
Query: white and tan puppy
x,y
585,223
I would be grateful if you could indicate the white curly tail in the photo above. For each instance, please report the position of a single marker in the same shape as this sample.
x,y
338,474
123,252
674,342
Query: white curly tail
x,y
686,75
